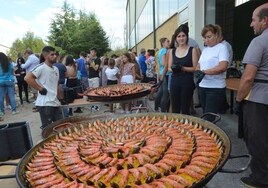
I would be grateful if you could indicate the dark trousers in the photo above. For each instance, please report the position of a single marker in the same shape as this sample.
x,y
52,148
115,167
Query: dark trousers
x,y
111,82
211,100
162,97
23,86
49,114
181,98
144,79
255,118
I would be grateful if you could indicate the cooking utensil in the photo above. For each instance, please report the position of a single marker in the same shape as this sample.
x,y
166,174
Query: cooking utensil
x,y
145,91
226,144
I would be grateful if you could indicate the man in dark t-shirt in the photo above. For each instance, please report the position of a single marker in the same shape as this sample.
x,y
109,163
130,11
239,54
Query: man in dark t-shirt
x,y
61,67
93,69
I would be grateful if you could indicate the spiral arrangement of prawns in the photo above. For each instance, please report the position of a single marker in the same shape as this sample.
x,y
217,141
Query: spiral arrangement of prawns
x,y
127,152
116,90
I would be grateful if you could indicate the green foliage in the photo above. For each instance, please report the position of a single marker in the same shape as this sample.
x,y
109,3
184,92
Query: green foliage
x,y
72,33
28,41
118,52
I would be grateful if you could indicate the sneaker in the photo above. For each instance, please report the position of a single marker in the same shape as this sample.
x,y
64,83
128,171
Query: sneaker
x,y
8,107
78,111
14,112
97,108
249,182
34,109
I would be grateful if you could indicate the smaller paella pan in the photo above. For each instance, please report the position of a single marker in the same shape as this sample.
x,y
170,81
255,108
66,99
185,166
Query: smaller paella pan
x,y
119,92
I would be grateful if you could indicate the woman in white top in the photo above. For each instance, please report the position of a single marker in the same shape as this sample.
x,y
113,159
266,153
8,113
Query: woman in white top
x,y
213,63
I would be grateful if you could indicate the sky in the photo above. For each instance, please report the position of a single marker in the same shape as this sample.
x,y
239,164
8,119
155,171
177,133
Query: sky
x,y
19,16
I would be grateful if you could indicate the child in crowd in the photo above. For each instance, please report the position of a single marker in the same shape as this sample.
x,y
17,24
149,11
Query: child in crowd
x,y
112,74
127,75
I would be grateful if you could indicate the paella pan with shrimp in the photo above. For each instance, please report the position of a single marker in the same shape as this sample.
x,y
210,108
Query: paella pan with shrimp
x,y
119,92
152,150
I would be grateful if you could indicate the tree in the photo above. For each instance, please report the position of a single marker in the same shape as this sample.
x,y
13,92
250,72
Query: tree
x,y
72,32
18,47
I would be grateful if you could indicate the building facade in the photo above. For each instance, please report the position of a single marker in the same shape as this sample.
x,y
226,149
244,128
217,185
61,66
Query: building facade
x,y
149,20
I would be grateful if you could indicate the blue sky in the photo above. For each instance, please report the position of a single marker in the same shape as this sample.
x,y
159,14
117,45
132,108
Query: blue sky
x,y
19,16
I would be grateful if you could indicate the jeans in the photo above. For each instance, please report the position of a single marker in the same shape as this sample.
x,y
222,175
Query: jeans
x,y
211,100
162,97
65,110
84,81
7,87
49,114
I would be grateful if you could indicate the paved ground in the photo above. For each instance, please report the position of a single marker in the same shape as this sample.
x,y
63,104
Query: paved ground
x,y
221,180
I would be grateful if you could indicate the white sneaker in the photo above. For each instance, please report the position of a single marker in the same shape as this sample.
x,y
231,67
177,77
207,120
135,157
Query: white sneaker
x,y
8,107
15,112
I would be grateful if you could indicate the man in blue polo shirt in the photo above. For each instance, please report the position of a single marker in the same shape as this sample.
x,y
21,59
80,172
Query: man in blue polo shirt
x,y
142,64
81,65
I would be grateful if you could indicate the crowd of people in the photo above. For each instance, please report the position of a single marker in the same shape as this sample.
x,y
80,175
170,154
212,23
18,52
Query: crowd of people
x,y
172,68
181,59
178,68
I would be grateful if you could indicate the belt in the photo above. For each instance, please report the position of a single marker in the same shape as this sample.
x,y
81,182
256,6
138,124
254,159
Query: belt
x,y
261,81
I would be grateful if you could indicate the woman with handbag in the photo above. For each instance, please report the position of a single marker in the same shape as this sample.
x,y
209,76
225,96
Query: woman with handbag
x,y
22,84
182,63
213,63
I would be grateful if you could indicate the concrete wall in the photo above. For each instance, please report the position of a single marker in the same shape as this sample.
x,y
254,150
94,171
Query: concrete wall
x,y
146,43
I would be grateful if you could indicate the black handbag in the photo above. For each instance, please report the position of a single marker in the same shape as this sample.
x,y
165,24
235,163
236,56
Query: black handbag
x,y
15,140
198,75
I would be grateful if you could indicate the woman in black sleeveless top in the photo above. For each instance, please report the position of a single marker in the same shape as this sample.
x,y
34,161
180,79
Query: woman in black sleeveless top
x,y
182,63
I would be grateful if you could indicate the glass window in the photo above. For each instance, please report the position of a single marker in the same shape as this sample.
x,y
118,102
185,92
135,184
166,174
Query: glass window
x,y
145,21
132,39
173,6
164,9
182,3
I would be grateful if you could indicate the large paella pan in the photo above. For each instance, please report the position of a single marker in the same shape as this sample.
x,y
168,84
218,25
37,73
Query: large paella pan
x,y
152,150
119,92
